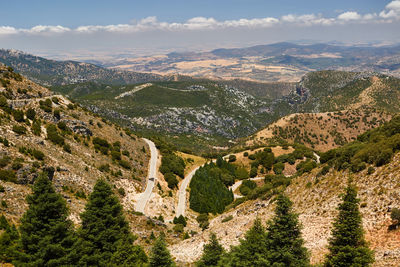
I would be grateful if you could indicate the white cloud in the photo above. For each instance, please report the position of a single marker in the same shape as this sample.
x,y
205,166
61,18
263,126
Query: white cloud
x,y
388,15
350,15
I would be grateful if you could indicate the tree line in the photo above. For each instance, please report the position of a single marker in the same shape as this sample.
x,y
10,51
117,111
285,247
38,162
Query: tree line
x,y
46,237
280,243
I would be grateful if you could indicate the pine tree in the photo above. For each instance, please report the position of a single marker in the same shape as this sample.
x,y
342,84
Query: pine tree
x,y
104,237
160,256
251,251
284,242
8,240
46,233
347,246
212,252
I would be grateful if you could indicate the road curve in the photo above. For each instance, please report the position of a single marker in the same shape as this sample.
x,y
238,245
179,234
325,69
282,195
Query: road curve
x,y
180,209
239,183
152,173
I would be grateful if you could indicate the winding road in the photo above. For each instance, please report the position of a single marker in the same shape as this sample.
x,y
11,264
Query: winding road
x,y
151,178
180,209
239,183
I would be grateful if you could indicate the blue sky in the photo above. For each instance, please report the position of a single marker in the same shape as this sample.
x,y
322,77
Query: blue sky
x,y
98,28
73,13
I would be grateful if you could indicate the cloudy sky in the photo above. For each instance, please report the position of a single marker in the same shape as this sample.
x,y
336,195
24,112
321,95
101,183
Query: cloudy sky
x,y
95,28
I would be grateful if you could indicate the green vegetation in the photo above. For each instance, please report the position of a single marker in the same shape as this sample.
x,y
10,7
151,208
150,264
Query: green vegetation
x,y
46,233
54,136
375,146
347,246
212,252
160,255
208,187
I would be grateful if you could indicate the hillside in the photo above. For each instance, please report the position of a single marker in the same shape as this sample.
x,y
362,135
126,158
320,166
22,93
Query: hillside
x,y
42,131
332,108
316,195
209,112
51,72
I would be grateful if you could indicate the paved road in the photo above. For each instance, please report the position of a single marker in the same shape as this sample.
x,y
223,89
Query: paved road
x,y
180,209
151,178
318,157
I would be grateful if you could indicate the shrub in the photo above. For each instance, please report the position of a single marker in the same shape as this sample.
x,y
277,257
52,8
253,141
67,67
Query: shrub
x,y
246,154
46,105
241,173
53,136
8,176
171,180
18,115
232,158
202,219
124,164
121,191
104,168
2,189
115,155
180,220
36,128
4,161
370,170
324,170
227,219
395,215
62,126
67,148
178,228
253,172
19,129
31,114
279,167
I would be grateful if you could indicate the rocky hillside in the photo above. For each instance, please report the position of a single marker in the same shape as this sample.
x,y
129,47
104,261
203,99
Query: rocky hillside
x,y
51,72
41,131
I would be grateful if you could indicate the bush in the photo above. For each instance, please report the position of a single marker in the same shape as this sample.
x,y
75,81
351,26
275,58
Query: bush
x,y
180,220
101,145
36,128
324,170
171,163
8,176
279,167
227,219
121,191
53,136
253,172
171,180
246,154
124,164
202,219
37,154
31,114
178,228
395,215
370,170
18,115
4,161
232,158
241,173
46,105
19,129
62,126
67,148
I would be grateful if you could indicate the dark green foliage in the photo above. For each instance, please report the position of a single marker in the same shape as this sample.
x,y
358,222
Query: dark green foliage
x,y
246,187
375,146
101,145
37,154
8,176
180,220
53,135
8,240
279,167
171,163
284,242
212,252
232,158
202,219
252,250
62,126
18,115
31,114
395,214
4,161
67,148
46,233
104,237
306,166
253,172
160,256
241,173
124,164
171,180
347,246
46,105
324,170
19,129
36,128
208,192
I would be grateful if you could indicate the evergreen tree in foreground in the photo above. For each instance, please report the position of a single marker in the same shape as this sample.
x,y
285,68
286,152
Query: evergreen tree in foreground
x,y
284,242
8,240
212,252
252,251
160,256
347,246
104,237
46,233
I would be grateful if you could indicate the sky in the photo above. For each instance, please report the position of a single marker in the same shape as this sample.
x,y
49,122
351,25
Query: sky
x,y
89,28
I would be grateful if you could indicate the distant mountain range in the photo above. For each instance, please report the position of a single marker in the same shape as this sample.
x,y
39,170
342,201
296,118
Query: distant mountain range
x,y
51,72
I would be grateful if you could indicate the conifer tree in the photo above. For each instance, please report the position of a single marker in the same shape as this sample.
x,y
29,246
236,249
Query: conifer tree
x,y
251,251
104,237
46,233
212,252
8,240
347,246
160,256
284,242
